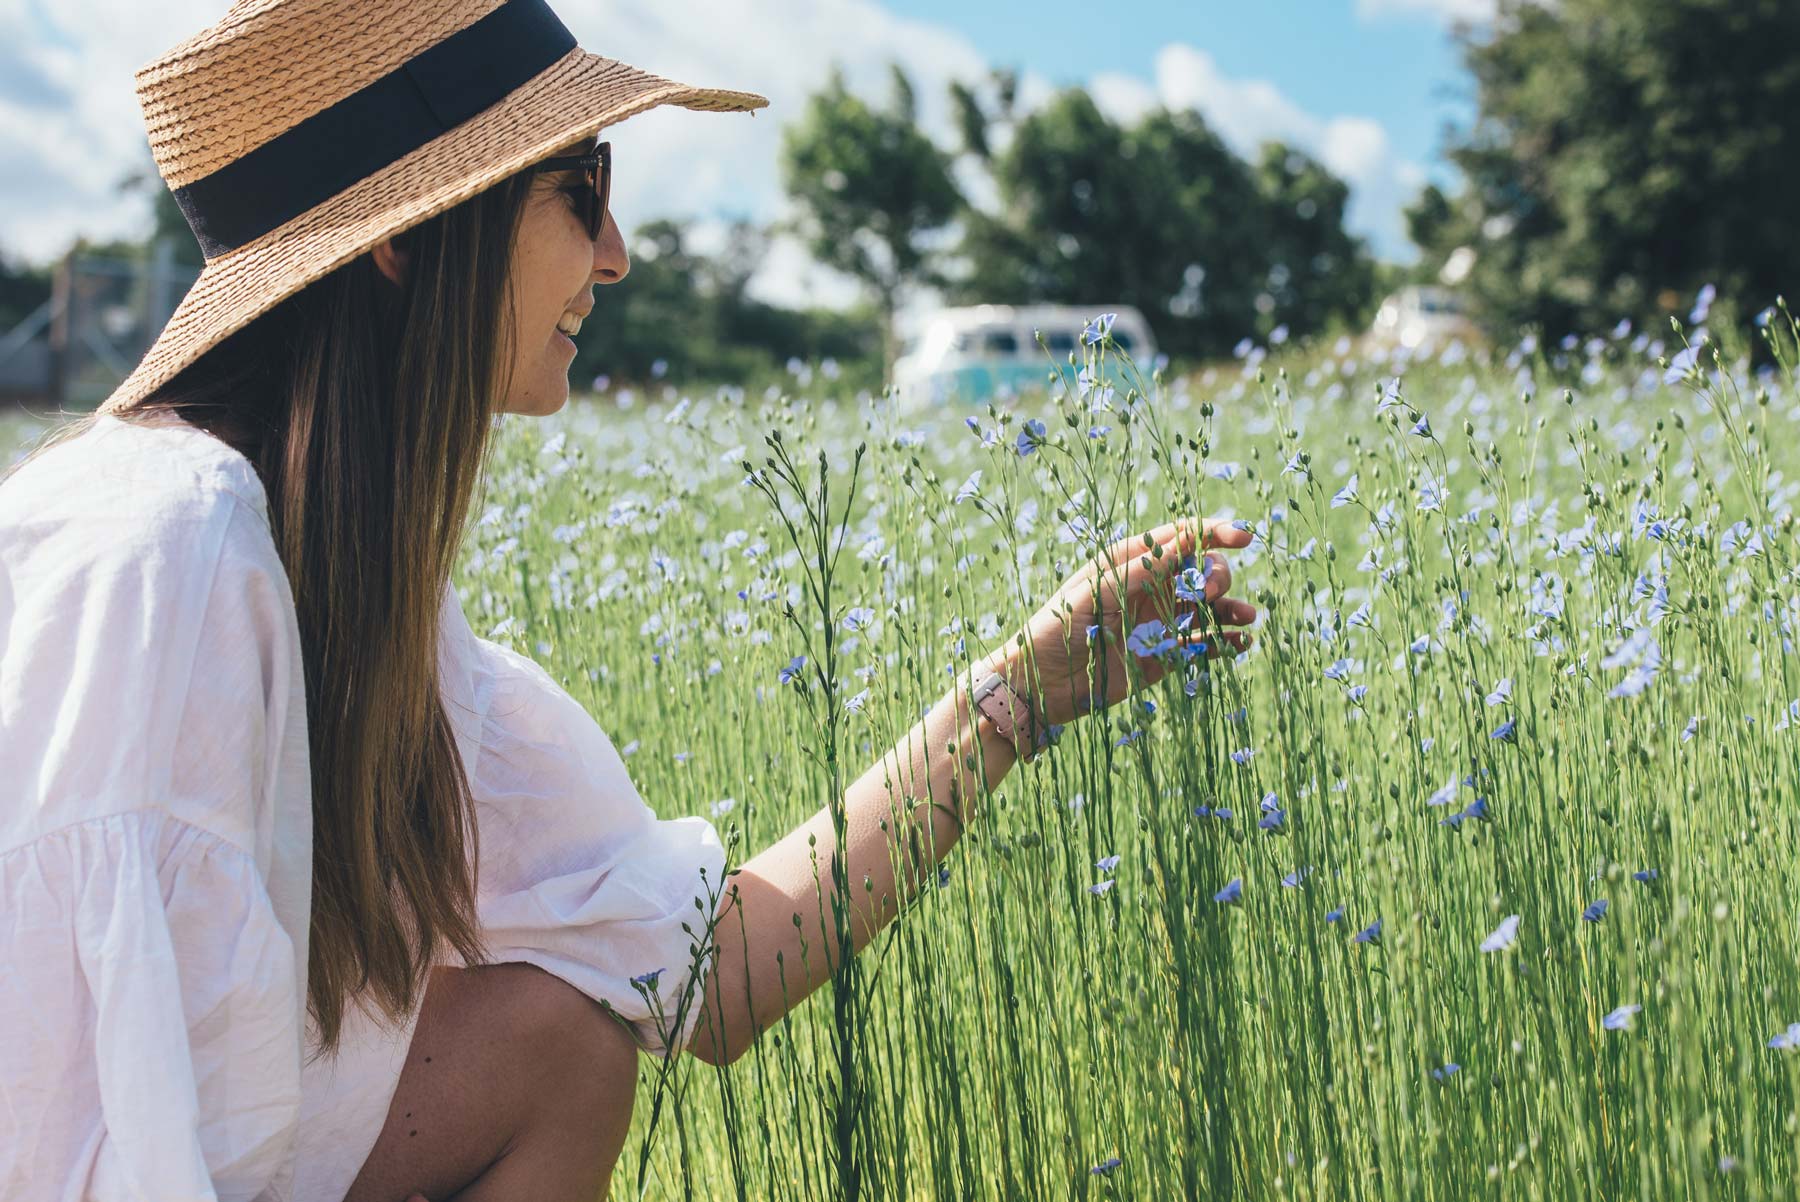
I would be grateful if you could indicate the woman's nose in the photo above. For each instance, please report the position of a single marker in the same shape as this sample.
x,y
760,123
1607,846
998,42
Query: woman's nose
x,y
611,262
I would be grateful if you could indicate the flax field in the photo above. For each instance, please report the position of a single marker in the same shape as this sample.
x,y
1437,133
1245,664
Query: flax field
x,y
1478,877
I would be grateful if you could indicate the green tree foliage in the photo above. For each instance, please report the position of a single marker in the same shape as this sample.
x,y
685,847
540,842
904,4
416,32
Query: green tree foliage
x,y
23,287
1162,215
686,318
1624,155
871,190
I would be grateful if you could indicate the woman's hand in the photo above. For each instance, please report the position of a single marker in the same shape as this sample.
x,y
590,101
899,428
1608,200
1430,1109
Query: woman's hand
x,y
1114,594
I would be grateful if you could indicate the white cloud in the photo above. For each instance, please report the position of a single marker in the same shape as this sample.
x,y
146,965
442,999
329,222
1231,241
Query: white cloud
x,y
1248,112
70,126
1448,11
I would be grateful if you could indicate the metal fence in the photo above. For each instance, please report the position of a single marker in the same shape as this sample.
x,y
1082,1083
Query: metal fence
x,y
102,315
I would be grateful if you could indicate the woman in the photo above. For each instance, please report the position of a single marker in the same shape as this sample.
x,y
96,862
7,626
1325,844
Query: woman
x,y
305,891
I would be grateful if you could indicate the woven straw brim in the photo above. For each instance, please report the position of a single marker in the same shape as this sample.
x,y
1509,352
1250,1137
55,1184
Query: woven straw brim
x,y
577,96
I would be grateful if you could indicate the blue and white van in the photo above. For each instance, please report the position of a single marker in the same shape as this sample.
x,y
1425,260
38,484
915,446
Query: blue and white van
x,y
975,353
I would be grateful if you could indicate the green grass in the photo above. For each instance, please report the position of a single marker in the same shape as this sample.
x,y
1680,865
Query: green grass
x,y
1013,1030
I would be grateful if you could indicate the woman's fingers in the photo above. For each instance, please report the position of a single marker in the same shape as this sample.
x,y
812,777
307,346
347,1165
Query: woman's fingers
x,y
1218,577
1232,611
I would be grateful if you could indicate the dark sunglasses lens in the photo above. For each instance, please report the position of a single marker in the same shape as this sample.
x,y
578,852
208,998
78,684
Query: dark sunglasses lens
x,y
602,189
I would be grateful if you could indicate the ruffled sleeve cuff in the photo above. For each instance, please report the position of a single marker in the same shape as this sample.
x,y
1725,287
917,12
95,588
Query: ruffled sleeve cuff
x,y
577,875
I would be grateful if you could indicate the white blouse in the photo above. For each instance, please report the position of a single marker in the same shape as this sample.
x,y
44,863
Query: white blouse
x,y
156,841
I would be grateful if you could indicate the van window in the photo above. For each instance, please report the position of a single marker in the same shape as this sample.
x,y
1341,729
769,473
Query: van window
x,y
1060,342
999,342
1123,339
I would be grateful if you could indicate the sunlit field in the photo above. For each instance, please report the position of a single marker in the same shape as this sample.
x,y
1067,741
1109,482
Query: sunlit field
x,y
1476,878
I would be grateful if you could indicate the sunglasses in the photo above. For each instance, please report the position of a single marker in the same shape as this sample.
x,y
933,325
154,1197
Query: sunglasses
x,y
597,164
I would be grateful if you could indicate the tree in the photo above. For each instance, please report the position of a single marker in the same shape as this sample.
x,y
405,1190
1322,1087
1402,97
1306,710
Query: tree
x,y
1161,215
871,189
1622,156
686,318
1319,273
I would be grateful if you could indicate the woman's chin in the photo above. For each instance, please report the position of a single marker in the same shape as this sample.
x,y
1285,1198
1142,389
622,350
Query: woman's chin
x,y
541,401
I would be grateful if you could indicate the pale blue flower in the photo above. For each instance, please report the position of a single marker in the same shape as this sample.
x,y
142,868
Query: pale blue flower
x,y
1620,1019
1703,304
1031,437
1503,936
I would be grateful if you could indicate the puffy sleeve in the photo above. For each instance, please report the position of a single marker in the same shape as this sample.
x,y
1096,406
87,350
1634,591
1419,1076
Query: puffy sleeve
x,y
150,986
577,875
149,999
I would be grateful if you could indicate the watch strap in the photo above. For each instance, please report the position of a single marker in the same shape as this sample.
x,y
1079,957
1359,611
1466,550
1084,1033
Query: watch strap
x,y
1013,717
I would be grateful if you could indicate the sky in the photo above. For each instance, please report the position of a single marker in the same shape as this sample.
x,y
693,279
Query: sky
x,y
1366,85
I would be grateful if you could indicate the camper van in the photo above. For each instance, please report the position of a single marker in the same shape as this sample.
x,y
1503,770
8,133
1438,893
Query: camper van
x,y
969,355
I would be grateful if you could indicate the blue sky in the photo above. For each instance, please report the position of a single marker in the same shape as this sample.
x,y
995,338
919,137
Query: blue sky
x,y
1394,62
1366,85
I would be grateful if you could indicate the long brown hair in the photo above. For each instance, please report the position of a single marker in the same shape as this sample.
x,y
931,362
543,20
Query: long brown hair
x,y
365,408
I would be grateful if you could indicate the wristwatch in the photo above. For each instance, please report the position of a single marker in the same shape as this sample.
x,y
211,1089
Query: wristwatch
x,y
1013,717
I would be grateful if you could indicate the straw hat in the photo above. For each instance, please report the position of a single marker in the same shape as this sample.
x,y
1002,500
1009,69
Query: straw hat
x,y
297,134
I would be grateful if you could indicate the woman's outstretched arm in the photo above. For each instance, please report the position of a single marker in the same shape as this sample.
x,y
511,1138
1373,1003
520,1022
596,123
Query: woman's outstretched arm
x,y
907,811
909,806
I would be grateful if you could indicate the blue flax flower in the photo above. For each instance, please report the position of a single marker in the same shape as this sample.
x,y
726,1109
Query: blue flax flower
x,y
1596,910
1102,887
1190,584
792,671
1620,1019
1345,495
1645,875
1150,639
1336,915
1422,427
1242,755
1231,892
1105,1167
648,980
1031,437
1097,329
1787,1040
1369,934
1506,731
1450,1069
1107,864
1295,879
1503,936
